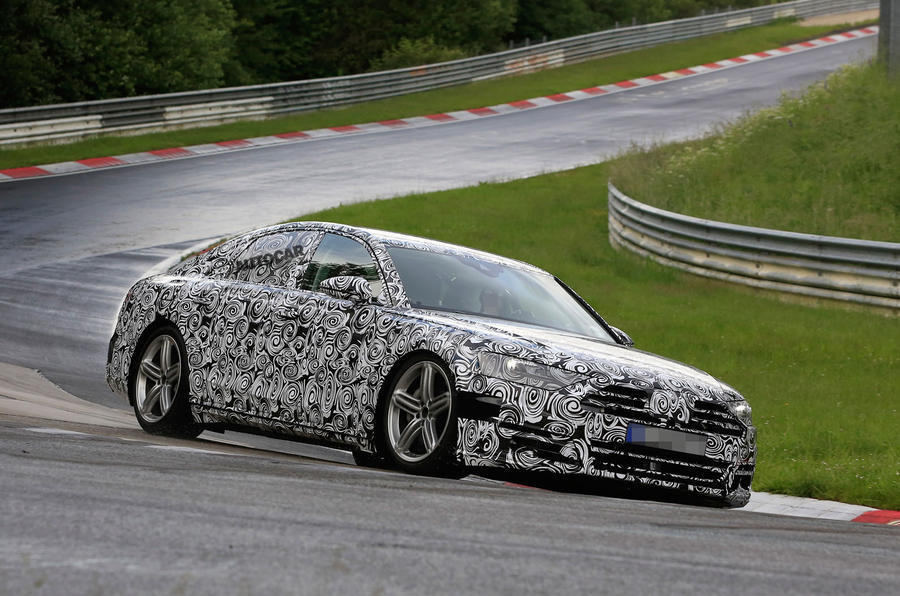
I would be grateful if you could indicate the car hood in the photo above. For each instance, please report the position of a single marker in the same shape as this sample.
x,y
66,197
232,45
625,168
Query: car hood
x,y
548,345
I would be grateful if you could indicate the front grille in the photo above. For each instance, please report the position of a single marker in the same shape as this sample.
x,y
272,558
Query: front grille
x,y
631,404
647,462
715,417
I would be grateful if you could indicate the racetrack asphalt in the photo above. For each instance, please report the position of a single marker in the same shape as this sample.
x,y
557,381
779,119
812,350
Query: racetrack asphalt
x,y
138,518
94,513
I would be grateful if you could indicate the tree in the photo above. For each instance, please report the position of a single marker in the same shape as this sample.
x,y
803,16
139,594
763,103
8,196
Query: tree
x,y
556,19
67,50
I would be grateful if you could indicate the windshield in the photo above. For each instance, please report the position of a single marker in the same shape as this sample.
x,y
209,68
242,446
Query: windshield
x,y
466,284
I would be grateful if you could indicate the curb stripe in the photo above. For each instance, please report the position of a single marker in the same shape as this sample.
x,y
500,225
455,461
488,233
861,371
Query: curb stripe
x,y
93,163
345,128
232,144
173,152
26,172
298,134
396,122
880,516
100,162
440,117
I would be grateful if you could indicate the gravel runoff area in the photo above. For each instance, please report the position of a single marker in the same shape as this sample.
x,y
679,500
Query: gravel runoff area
x,y
839,19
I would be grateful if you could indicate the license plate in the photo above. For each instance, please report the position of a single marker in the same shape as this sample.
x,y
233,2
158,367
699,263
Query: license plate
x,y
664,438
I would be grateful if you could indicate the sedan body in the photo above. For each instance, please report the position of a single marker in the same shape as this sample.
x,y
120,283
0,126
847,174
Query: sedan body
x,y
423,355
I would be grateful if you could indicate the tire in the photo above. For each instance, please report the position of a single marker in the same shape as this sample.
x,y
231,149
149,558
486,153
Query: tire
x,y
734,499
158,385
418,423
369,460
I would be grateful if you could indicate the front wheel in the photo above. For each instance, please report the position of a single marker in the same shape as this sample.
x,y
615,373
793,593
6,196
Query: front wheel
x,y
419,423
159,385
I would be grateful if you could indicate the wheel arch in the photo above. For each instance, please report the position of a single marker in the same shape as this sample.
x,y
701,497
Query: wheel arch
x,y
382,395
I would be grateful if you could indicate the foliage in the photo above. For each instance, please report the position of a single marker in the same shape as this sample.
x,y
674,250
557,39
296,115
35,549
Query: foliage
x,y
823,163
70,50
556,19
414,52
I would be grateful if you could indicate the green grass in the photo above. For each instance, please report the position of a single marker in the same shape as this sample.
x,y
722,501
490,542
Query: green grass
x,y
568,78
827,162
822,379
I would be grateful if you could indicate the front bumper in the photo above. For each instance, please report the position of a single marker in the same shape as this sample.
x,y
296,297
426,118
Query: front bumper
x,y
583,431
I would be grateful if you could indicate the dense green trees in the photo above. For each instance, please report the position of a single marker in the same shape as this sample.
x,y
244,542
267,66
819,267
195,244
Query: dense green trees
x,y
67,50
555,19
286,39
70,50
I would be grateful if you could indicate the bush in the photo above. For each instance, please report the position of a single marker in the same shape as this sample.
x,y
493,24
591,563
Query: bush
x,y
415,52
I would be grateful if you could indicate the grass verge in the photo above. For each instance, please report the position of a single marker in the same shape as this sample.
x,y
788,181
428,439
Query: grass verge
x,y
822,381
824,163
577,76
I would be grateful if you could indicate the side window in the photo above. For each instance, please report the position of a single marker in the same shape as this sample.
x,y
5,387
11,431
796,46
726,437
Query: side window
x,y
267,260
338,255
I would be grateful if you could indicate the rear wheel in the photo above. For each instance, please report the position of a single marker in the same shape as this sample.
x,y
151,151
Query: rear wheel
x,y
419,421
159,385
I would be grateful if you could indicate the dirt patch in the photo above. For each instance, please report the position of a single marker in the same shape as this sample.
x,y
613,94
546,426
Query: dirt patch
x,y
840,19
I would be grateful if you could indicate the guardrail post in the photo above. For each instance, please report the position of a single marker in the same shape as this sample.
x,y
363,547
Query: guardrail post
x,y
889,36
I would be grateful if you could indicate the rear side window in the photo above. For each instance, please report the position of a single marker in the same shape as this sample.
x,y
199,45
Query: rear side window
x,y
268,259
338,255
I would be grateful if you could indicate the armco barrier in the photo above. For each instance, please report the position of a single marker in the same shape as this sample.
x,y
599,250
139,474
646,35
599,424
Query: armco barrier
x,y
862,271
64,122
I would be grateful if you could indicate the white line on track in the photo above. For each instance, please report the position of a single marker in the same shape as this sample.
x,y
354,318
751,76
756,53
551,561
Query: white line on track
x,y
57,431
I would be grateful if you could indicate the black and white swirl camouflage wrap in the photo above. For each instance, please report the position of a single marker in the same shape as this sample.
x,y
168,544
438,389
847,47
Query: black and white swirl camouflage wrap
x,y
263,353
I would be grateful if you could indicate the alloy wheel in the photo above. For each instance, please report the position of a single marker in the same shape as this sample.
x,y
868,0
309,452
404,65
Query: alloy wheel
x,y
418,412
158,377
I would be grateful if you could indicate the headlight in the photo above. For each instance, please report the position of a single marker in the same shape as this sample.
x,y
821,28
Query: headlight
x,y
525,372
742,410
738,406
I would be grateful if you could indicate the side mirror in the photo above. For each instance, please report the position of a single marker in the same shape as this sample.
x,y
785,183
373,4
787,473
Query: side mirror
x,y
622,337
347,287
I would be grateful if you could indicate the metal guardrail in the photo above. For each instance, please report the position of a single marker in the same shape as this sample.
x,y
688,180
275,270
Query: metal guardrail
x,y
66,122
864,271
